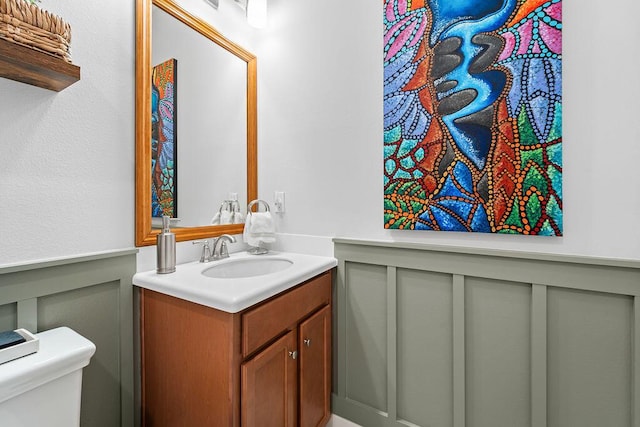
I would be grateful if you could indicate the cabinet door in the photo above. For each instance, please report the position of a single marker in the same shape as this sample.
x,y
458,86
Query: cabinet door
x,y
315,369
269,385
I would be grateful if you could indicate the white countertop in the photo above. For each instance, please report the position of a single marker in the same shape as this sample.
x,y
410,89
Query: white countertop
x,y
233,294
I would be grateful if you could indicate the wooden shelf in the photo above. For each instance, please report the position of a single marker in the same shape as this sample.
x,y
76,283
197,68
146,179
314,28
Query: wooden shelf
x,y
30,66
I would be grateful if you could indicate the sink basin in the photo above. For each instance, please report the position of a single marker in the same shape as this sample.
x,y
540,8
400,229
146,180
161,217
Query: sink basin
x,y
238,282
247,267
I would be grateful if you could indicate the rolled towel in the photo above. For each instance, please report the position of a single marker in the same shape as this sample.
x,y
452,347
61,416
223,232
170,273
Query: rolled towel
x,y
259,227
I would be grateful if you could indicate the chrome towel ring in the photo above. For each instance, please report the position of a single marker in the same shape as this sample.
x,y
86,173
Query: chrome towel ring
x,y
258,202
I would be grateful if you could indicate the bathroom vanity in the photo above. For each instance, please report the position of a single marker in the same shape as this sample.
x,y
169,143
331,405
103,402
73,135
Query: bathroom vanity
x,y
267,364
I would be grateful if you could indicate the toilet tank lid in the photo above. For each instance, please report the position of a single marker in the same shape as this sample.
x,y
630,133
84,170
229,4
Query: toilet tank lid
x,y
62,351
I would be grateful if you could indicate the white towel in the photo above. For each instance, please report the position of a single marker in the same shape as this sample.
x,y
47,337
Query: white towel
x,y
226,217
223,217
216,219
259,227
238,218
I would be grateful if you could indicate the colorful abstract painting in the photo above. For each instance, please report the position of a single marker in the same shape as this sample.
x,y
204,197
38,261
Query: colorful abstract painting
x,y
164,188
473,116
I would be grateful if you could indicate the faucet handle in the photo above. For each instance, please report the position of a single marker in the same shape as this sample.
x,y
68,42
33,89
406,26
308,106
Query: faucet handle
x,y
224,251
206,250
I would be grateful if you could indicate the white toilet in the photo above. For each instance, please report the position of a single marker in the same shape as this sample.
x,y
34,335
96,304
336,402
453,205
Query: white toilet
x,y
43,389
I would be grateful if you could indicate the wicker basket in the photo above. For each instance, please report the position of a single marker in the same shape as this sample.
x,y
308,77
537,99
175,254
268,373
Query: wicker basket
x,y
28,25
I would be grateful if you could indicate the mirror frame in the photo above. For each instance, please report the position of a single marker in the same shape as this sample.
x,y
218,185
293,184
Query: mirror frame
x,y
145,235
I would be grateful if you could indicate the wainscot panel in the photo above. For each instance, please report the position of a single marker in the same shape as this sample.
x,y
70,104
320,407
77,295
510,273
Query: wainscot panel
x,y
91,294
436,336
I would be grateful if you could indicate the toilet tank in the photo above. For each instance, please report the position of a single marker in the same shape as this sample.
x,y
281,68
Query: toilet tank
x,y
44,388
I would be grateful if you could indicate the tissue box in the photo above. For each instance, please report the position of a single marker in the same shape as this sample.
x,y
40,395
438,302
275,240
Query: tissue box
x,y
31,345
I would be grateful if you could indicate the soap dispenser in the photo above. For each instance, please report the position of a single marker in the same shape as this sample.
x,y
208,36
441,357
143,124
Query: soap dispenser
x,y
166,249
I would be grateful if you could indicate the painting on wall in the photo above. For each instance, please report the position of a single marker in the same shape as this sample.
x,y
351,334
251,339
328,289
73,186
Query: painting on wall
x,y
164,188
473,116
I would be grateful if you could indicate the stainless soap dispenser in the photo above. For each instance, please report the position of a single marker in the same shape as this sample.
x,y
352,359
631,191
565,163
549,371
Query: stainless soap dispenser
x,y
166,249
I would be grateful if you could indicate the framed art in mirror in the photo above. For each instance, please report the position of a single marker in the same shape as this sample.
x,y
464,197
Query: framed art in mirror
x,y
164,132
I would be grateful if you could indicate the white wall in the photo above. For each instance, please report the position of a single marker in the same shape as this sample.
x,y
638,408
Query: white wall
x,y
67,159
321,88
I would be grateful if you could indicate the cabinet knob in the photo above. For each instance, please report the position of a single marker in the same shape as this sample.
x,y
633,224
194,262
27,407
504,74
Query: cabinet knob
x,y
293,354
307,342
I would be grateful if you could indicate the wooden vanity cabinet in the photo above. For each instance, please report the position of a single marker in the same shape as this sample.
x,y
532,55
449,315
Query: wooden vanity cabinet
x,y
269,394
281,380
315,369
269,365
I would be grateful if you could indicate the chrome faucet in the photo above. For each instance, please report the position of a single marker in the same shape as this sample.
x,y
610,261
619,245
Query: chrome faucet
x,y
217,250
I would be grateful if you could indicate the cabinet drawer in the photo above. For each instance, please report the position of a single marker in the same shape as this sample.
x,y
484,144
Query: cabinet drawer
x,y
262,323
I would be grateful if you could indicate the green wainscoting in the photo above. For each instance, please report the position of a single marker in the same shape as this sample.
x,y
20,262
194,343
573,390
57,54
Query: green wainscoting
x,y
92,295
437,336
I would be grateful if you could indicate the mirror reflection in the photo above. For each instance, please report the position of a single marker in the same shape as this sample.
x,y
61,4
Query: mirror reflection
x,y
199,125
195,125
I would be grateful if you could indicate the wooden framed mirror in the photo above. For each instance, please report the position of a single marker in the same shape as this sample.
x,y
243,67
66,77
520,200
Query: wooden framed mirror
x,y
239,131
